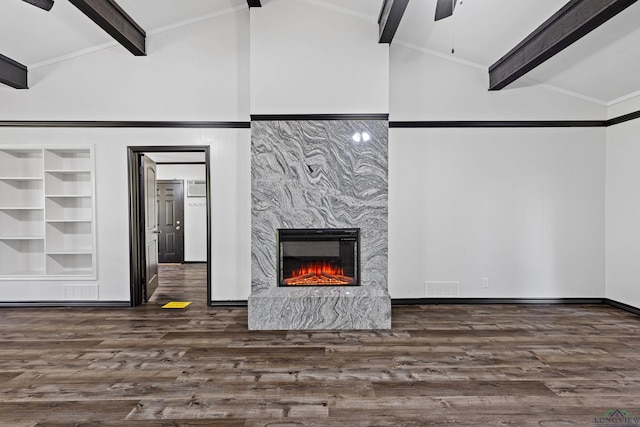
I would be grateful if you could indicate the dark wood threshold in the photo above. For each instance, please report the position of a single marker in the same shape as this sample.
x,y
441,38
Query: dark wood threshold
x,y
229,303
180,163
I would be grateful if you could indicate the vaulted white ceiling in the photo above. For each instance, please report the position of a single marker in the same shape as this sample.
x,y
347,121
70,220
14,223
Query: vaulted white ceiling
x,y
603,67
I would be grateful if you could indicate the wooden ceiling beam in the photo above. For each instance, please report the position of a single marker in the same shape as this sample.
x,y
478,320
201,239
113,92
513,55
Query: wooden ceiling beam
x,y
13,73
42,4
115,21
575,20
254,3
389,19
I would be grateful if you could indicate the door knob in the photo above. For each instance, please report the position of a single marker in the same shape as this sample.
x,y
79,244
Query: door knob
x,y
178,228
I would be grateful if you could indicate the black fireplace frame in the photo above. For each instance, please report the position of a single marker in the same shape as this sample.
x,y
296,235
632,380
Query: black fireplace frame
x,y
318,234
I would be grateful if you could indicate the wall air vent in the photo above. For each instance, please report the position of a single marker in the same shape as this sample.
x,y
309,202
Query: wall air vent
x,y
196,188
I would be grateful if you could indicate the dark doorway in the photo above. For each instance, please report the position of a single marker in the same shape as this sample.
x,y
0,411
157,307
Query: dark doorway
x,y
171,221
139,217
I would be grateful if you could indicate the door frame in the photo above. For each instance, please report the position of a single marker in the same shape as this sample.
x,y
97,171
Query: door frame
x,y
136,216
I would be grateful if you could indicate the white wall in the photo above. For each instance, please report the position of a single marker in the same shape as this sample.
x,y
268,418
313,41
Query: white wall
x,y
230,205
196,72
623,213
618,109
428,87
195,209
521,207
231,217
309,59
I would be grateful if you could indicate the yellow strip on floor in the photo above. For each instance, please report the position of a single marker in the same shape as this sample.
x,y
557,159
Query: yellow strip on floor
x,y
176,304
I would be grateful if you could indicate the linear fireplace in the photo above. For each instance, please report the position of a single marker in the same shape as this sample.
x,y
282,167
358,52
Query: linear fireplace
x,y
318,257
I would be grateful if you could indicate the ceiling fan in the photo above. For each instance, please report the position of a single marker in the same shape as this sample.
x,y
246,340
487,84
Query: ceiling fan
x,y
444,8
42,4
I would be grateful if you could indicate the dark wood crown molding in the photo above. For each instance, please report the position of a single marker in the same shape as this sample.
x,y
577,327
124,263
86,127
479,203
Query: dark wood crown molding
x,y
123,124
300,117
498,124
452,124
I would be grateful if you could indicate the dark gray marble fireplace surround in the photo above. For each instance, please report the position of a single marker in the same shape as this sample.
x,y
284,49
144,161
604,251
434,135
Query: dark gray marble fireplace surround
x,y
313,174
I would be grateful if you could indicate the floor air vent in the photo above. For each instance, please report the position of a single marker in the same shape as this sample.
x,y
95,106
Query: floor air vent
x,y
442,289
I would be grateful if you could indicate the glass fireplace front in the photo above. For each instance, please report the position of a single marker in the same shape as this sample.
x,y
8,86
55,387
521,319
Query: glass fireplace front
x,y
319,257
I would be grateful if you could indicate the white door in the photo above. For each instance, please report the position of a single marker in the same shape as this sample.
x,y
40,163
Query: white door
x,y
150,226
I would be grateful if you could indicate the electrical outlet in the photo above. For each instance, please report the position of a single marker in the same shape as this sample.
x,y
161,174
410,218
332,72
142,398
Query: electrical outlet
x,y
485,282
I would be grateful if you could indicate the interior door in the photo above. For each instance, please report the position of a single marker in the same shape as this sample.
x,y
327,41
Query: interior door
x,y
150,226
171,221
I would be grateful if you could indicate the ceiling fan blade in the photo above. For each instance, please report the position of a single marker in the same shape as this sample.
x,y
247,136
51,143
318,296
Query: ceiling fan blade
x,y
42,4
444,8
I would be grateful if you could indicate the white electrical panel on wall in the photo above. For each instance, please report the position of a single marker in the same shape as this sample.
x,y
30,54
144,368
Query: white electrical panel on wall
x,y
47,212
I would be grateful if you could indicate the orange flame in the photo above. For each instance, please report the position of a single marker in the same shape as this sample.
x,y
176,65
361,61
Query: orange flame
x,y
319,273
319,268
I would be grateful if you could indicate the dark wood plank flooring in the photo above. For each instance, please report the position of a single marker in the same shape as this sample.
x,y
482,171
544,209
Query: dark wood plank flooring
x,y
458,365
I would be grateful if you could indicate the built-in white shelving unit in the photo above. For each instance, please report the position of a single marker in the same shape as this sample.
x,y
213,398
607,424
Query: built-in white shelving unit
x,y
47,212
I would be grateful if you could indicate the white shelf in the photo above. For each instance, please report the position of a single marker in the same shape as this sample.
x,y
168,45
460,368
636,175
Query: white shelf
x,y
19,256
21,237
70,252
79,273
70,172
22,162
47,213
21,222
69,264
69,237
68,159
14,208
20,193
76,184
21,178
24,274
